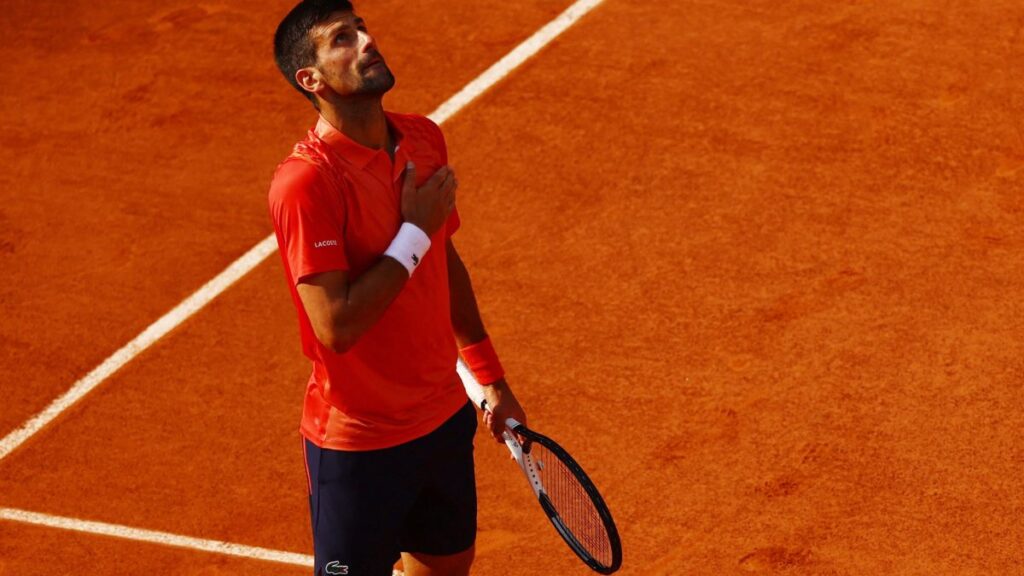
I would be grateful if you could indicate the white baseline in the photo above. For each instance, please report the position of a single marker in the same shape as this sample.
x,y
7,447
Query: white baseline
x,y
155,537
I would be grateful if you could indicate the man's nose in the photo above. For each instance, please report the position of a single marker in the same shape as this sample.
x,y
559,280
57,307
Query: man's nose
x,y
367,41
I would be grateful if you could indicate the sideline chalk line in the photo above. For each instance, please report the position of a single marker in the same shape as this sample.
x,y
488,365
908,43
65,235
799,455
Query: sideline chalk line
x,y
258,253
157,537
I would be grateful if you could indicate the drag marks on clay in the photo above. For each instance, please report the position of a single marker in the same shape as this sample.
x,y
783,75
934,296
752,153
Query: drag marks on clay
x,y
795,476
182,17
831,39
775,559
780,486
8,235
170,20
722,429
813,454
139,94
819,295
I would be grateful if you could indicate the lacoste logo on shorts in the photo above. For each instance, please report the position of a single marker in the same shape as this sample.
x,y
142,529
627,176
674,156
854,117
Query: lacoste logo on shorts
x,y
335,568
323,243
415,260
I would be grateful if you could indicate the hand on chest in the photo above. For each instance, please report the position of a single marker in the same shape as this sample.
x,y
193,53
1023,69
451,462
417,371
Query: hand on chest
x,y
372,198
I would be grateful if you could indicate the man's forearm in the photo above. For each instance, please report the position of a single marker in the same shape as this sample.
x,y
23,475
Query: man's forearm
x,y
466,321
340,311
369,296
469,329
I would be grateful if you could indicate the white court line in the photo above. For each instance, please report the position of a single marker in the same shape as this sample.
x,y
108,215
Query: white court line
x,y
154,332
198,300
155,537
513,59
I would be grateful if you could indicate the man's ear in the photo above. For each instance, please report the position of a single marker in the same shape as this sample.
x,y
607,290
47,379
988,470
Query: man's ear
x,y
309,79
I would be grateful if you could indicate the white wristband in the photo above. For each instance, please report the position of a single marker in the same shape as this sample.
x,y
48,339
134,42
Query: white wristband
x,y
409,246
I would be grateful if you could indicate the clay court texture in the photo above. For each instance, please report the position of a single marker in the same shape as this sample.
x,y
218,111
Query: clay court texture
x,y
757,265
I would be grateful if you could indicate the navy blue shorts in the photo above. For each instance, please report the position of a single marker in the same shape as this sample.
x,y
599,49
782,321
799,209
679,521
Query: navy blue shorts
x,y
367,507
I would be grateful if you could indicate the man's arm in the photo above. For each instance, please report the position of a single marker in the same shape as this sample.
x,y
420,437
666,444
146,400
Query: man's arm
x,y
340,310
466,321
469,330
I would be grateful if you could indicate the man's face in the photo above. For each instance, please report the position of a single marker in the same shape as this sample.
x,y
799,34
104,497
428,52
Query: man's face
x,y
347,58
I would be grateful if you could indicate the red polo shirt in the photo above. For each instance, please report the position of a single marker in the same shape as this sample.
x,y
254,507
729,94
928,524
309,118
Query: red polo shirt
x,y
336,206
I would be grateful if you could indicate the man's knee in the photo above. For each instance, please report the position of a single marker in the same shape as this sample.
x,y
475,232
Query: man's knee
x,y
458,564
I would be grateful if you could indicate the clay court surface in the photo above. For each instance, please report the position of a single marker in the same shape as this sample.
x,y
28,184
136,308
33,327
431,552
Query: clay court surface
x,y
758,265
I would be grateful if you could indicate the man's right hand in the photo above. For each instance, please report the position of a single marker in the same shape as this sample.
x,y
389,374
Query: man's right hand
x,y
428,206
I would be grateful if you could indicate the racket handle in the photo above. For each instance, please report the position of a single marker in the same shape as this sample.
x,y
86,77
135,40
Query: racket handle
x,y
476,392
473,388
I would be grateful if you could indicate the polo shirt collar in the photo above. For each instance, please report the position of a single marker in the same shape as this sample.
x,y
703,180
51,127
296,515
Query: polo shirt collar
x,y
354,152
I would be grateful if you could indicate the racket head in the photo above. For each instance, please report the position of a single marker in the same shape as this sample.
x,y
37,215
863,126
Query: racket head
x,y
572,503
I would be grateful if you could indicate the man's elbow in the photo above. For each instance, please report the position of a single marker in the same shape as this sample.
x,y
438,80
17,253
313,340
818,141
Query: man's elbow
x,y
337,339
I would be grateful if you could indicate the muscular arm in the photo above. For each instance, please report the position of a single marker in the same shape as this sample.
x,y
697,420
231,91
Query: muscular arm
x,y
469,329
341,310
466,322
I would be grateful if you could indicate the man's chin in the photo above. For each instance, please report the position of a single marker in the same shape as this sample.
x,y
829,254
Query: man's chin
x,y
377,86
380,87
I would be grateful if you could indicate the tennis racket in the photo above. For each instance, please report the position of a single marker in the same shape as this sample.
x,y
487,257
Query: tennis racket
x,y
567,496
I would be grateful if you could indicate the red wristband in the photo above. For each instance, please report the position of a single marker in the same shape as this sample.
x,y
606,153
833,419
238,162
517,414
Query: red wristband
x,y
483,362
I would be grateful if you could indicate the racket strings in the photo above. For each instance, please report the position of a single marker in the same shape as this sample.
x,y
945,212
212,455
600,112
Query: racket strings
x,y
574,506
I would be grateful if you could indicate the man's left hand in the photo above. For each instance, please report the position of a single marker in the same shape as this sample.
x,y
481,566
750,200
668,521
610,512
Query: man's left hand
x,y
501,405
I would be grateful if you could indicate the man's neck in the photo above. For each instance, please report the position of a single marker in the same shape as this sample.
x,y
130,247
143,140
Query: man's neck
x,y
363,121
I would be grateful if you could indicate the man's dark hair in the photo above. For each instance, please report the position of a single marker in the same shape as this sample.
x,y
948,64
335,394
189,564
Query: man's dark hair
x,y
293,48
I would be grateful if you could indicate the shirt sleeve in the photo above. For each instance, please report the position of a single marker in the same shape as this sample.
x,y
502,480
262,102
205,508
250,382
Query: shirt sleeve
x,y
453,222
308,220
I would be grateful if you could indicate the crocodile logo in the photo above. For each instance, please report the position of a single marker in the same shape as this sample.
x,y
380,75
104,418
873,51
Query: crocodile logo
x,y
335,568
415,260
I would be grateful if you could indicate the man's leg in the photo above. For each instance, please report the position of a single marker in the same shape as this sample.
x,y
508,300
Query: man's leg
x,y
419,564
440,531
358,503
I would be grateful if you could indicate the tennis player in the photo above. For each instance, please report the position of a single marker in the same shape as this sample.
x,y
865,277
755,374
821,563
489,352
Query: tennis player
x,y
364,212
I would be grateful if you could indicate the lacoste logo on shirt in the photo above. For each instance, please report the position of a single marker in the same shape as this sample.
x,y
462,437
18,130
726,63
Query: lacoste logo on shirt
x,y
415,260
324,243
336,568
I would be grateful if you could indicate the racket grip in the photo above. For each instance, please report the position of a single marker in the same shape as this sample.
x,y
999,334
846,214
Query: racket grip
x,y
476,392
473,388
510,423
